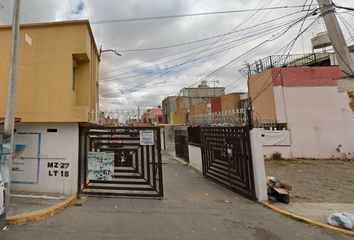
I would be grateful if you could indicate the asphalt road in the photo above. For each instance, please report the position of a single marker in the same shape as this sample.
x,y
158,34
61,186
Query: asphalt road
x,y
193,208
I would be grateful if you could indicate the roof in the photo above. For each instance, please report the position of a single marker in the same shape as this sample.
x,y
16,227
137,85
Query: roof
x,y
48,24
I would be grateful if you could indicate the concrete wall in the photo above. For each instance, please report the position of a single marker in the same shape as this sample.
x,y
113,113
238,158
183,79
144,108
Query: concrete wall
x,y
195,156
45,161
168,106
230,102
216,105
284,150
320,120
45,72
169,138
258,165
182,116
263,103
203,92
192,110
201,108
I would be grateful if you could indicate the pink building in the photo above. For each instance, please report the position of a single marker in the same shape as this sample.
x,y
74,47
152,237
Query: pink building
x,y
154,116
319,121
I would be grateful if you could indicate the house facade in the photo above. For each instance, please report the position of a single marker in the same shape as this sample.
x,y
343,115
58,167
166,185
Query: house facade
x,y
306,100
57,89
169,110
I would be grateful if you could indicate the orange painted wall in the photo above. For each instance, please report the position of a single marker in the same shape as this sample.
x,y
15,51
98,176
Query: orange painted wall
x,y
262,94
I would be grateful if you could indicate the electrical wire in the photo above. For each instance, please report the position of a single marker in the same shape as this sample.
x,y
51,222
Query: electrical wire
x,y
341,7
256,35
287,28
188,15
196,41
291,46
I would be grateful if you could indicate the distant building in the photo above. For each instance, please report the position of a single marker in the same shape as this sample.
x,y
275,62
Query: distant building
x,y
169,110
194,96
153,116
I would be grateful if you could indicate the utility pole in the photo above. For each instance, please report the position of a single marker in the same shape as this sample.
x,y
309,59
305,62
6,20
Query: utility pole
x,y
336,36
341,50
214,85
7,142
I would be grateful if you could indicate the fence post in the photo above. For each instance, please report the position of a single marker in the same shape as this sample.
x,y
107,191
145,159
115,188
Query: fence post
x,y
250,118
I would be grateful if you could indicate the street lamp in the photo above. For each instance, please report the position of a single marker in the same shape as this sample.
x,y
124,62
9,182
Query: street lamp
x,y
109,50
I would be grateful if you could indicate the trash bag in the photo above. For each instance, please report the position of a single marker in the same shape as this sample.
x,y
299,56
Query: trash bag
x,y
339,220
282,196
350,217
273,182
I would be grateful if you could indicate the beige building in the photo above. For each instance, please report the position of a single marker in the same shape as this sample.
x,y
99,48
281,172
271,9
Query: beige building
x,y
57,77
57,89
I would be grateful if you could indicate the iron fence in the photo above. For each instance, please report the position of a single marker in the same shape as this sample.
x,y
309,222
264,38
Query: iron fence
x,y
238,117
281,61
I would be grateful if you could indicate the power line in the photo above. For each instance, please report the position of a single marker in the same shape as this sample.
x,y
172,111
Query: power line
x,y
243,23
188,15
253,49
290,44
262,33
249,17
196,41
341,7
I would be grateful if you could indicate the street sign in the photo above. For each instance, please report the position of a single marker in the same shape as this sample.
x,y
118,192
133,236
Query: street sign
x,y
345,85
147,138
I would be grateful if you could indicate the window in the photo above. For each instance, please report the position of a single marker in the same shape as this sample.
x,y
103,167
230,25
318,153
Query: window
x,y
160,119
74,78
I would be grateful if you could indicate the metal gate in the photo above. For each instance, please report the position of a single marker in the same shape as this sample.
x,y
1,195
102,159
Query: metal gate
x,y
227,158
133,152
181,144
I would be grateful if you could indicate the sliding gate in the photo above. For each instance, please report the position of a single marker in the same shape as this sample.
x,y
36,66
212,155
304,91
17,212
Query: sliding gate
x,y
120,161
227,158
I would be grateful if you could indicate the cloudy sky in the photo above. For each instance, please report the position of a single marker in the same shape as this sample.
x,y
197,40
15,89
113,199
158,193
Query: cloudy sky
x,y
170,44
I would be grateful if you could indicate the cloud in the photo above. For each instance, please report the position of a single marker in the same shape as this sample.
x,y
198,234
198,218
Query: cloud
x,y
144,78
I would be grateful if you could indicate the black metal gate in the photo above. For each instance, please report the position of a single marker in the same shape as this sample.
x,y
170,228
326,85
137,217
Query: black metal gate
x,y
227,158
137,167
181,144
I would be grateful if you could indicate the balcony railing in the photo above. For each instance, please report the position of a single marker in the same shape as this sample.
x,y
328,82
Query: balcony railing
x,y
282,61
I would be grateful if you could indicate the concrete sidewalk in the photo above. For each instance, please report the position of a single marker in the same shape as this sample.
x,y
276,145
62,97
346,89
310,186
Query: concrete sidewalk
x,y
26,206
316,211
313,213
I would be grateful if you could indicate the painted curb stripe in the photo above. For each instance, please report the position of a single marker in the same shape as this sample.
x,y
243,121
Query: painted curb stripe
x,y
281,211
39,215
312,222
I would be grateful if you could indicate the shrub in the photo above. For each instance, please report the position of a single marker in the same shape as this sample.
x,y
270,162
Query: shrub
x,y
276,156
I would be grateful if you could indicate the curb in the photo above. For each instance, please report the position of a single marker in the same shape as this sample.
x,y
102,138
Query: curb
x,y
281,211
307,220
39,215
182,161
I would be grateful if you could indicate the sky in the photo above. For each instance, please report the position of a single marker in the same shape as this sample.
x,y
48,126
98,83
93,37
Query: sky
x,y
169,45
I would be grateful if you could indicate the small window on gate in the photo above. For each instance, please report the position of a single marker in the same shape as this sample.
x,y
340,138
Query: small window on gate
x,y
52,130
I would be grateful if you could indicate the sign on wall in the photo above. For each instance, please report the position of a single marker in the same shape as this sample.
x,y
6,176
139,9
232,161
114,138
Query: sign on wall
x,y
25,159
147,138
100,165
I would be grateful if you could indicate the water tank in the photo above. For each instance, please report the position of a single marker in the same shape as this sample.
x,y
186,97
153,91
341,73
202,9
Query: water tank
x,y
321,40
204,84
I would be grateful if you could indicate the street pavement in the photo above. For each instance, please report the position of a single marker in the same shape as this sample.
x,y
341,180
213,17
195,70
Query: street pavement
x,y
193,208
